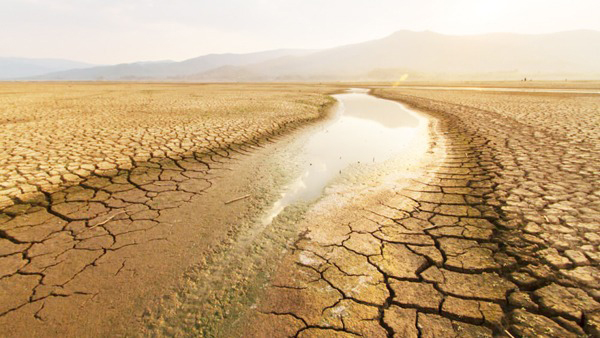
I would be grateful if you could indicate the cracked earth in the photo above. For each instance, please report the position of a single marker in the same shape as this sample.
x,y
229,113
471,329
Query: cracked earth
x,y
95,178
498,237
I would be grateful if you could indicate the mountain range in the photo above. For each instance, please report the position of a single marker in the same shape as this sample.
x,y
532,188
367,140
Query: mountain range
x,y
418,55
14,68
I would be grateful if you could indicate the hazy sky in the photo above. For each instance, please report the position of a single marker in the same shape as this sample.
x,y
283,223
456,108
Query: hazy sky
x,y
114,31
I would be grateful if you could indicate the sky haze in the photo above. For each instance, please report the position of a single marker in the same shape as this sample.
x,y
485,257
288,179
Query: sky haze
x,y
116,31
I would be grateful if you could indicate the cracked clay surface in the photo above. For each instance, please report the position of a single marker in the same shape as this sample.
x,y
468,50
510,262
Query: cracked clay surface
x,y
498,238
93,177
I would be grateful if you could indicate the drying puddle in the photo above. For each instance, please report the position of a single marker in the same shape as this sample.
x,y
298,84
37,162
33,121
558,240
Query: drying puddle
x,y
364,130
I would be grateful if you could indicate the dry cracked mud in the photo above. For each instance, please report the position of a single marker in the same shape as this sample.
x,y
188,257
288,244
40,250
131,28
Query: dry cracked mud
x,y
58,134
99,180
498,237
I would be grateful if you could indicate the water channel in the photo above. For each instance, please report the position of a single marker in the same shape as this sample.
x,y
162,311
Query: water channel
x,y
364,130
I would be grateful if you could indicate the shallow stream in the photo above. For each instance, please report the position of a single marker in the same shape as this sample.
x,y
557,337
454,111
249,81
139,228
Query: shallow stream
x,y
364,130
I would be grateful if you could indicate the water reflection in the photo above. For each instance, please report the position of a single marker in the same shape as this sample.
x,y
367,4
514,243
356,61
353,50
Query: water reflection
x,y
365,130
379,111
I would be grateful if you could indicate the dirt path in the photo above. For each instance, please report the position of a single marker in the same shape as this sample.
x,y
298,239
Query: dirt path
x,y
497,238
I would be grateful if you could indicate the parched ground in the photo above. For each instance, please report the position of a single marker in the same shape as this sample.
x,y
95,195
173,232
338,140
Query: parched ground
x,y
57,134
108,189
499,237
101,186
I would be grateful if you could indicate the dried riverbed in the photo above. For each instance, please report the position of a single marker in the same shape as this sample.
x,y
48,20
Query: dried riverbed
x,y
326,169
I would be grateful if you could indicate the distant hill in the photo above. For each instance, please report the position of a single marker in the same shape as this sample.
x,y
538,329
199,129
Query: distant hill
x,y
573,53
168,70
14,68
420,55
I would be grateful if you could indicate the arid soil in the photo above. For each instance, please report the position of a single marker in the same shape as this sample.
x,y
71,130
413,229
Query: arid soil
x,y
497,237
104,192
56,134
112,194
